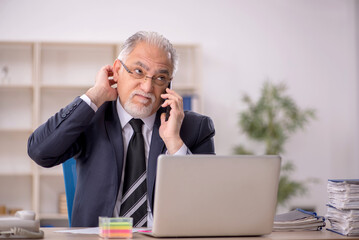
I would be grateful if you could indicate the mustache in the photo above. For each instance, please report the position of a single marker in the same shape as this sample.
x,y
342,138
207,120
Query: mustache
x,y
142,93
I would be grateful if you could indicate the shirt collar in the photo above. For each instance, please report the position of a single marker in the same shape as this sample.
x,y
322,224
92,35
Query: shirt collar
x,y
125,117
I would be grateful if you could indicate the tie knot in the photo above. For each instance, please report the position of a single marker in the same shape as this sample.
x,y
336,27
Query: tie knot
x,y
136,124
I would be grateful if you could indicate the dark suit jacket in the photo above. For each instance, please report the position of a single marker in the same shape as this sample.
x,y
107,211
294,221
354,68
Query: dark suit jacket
x,y
95,141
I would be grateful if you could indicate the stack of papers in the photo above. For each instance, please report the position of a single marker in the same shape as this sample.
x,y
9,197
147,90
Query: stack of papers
x,y
343,206
298,220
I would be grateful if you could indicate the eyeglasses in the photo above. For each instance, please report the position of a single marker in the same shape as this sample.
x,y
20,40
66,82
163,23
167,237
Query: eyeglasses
x,y
158,79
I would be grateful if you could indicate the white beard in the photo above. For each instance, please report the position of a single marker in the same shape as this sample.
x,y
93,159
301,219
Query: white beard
x,y
138,110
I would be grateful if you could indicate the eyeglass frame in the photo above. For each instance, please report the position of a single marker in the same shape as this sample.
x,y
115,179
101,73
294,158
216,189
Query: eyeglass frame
x,y
145,76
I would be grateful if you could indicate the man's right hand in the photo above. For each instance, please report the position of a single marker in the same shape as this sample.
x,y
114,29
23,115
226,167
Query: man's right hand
x,y
102,91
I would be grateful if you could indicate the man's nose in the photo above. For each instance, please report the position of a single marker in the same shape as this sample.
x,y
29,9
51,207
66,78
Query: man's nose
x,y
146,84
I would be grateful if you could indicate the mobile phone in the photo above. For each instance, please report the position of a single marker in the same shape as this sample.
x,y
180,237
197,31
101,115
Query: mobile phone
x,y
168,108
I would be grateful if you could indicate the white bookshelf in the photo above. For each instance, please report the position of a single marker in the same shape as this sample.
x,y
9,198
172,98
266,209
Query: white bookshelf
x,y
36,80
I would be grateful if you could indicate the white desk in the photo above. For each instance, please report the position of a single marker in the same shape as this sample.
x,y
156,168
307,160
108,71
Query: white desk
x,y
315,235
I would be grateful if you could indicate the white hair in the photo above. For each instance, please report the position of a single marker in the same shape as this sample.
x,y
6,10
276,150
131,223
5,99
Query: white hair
x,y
151,38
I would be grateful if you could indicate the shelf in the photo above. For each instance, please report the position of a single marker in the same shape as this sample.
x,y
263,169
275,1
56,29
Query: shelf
x,y
65,87
37,79
184,89
16,108
52,100
16,166
69,64
51,172
50,189
16,174
15,130
53,216
16,191
53,220
16,63
187,73
6,87
13,153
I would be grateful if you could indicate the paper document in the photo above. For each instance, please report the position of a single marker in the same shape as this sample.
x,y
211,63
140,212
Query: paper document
x,y
298,220
343,206
94,230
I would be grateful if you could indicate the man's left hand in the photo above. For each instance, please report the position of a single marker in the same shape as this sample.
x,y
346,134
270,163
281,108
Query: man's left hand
x,y
170,130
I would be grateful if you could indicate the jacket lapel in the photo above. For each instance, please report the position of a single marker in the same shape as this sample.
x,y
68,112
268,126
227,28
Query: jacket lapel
x,y
114,132
157,147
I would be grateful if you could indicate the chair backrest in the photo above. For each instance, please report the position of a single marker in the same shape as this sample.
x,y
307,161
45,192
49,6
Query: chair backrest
x,y
70,178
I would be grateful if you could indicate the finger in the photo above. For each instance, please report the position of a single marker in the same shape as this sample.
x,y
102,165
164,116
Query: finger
x,y
108,69
174,103
112,82
163,118
164,97
166,103
171,91
176,107
170,102
171,96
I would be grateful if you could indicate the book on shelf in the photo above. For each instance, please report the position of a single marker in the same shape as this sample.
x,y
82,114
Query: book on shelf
x,y
62,203
343,206
298,220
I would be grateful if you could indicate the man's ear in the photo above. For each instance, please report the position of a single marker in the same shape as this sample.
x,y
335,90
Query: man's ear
x,y
116,67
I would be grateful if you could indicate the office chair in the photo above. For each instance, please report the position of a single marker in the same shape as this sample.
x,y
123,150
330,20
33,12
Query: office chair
x,y
70,178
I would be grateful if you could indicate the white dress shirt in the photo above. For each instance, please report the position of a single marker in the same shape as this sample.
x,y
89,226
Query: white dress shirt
x,y
127,132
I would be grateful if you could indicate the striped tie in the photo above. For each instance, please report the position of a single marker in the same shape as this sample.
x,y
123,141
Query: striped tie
x,y
134,198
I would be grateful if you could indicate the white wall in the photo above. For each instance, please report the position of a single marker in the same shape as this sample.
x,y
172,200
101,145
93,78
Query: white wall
x,y
312,45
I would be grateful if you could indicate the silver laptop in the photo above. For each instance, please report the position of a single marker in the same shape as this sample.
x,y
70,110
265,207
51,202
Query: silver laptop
x,y
209,195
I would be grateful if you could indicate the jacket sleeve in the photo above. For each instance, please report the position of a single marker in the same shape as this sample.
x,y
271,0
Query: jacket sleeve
x,y
197,133
60,137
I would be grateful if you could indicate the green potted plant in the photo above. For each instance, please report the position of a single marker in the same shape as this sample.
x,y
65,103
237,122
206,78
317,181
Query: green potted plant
x,y
271,120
